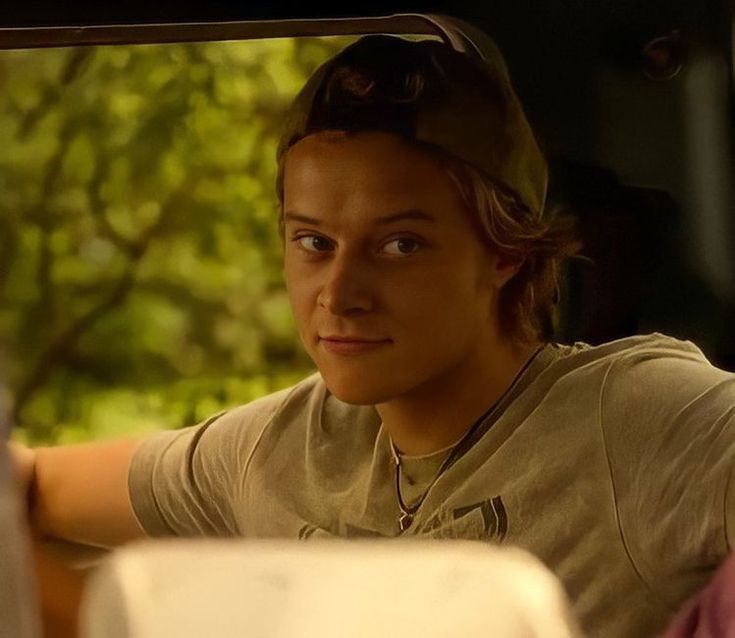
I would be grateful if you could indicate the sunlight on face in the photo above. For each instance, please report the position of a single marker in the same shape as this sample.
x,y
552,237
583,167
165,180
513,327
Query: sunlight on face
x,y
391,286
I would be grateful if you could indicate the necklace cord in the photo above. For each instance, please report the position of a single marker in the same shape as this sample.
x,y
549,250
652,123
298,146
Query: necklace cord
x,y
408,512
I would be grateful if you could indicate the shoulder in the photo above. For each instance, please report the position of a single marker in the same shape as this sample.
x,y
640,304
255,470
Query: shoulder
x,y
658,368
663,403
666,420
646,383
640,363
279,407
299,396
301,410
233,430
637,348
308,398
653,347
656,382
610,367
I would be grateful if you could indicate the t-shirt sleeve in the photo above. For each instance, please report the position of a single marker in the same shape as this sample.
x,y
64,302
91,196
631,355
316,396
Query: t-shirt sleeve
x,y
187,482
668,422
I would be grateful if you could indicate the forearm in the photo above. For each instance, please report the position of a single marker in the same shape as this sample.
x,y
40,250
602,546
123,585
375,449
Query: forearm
x,y
60,591
78,493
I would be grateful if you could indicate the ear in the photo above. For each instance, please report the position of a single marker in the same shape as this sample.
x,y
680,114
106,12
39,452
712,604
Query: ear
x,y
504,268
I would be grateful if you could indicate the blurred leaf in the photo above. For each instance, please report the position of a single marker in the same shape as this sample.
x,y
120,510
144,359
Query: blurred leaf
x,y
140,282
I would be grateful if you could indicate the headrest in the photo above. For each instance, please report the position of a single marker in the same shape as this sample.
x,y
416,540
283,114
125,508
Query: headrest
x,y
328,589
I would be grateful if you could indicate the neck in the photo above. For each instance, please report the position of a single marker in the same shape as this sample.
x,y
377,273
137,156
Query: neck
x,y
440,411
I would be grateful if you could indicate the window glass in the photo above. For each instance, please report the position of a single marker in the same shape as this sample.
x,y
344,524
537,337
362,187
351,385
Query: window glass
x,y
140,263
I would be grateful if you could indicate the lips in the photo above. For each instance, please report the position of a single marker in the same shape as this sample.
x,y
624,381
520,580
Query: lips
x,y
347,344
351,339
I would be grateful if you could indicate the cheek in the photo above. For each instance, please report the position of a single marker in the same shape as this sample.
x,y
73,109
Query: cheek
x,y
301,295
440,290
449,302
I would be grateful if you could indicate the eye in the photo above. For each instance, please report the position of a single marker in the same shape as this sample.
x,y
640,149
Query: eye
x,y
402,246
313,243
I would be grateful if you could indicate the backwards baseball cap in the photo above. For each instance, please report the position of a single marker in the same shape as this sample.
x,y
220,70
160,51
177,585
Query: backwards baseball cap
x,y
426,92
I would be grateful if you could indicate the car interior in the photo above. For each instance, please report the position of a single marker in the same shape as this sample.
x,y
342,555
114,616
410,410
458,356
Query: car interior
x,y
630,100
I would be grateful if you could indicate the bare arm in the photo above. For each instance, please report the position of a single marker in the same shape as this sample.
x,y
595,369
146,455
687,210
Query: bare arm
x,y
79,493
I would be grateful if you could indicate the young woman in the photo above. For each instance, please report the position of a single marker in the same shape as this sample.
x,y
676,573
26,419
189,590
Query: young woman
x,y
422,273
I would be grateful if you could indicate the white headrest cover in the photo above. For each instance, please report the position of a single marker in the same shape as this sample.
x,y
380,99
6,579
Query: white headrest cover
x,y
228,589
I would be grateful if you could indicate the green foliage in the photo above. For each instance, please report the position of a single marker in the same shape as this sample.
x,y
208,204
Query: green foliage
x,y
140,267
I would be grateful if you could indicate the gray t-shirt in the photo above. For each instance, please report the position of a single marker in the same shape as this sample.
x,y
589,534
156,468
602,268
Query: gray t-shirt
x,y
610,463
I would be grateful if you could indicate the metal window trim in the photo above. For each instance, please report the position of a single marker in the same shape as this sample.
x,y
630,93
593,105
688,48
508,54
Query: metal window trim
x,y
169,33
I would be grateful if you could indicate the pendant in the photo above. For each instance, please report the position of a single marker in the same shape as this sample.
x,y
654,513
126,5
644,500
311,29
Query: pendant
x,y
405,521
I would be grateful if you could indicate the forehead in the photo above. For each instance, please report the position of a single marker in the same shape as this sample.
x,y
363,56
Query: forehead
x,y
371,172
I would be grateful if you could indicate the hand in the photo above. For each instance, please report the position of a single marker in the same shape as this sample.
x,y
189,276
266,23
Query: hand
x,y
58,586
23,463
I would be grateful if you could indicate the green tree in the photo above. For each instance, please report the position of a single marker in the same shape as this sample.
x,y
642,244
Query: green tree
x,y
140,263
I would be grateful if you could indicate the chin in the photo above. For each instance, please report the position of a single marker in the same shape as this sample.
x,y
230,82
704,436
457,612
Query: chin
x,y
358,389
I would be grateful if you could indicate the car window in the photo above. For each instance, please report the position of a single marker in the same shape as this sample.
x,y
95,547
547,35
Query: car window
x,y
140,274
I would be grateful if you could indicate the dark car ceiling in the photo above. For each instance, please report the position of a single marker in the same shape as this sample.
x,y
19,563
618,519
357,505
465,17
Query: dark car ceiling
x,y
645,162
583,14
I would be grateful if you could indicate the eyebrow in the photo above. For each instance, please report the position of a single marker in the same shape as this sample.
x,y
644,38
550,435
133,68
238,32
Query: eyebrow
x,y
414,214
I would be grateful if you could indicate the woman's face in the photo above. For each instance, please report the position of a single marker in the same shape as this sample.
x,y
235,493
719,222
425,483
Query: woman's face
x,y
391,286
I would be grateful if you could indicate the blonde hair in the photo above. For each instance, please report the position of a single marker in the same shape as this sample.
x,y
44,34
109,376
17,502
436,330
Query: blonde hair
x,y
528,300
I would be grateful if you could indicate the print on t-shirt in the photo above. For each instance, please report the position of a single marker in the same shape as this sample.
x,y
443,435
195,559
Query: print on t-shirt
x,y
486,520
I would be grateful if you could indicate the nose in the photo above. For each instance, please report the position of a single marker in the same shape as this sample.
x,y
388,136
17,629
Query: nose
x,y
346,287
